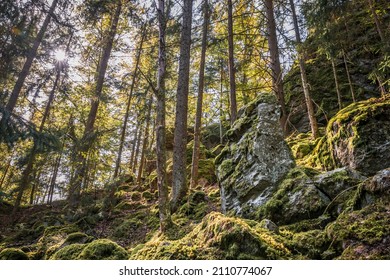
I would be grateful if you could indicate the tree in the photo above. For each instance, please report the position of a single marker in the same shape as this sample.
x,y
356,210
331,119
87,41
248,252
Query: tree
x,y
232,77
88,135
126,117
305,85
199,105
179,181
276,71
163,201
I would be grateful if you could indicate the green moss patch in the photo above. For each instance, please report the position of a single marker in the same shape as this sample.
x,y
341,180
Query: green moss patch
x,y
217,237
13,254
103,249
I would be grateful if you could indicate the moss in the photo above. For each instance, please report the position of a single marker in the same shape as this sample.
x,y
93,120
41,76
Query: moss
x,y
296,199
369,225
311,243
148,196
126,227
103,249
53,238
307,225
135,196
206,170
217,237
78,237
348,134
13,254
124,205
225,169
70,252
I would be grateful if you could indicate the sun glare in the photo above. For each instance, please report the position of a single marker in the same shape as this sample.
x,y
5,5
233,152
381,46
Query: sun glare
x,y
60,55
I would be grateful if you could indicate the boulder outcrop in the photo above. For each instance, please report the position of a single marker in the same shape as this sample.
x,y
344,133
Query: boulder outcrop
x,y
256,158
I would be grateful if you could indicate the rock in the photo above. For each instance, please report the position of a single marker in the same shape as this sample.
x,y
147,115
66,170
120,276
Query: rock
x,y
256,158
306,195
357,137
103,249
13,254
334,182
217,237
380,183
269,225
362,234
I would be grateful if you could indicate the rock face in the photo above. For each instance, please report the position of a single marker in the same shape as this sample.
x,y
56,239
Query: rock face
x,y
305,195
256,158
358,137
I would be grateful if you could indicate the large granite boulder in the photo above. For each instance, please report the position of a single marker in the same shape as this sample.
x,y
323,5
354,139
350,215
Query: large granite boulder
x,y
256,158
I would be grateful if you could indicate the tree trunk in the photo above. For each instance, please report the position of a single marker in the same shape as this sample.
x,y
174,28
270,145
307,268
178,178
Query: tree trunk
x,y
124,127
199,109
163,202
336,82
301,57
145,142
221,106
179,182
232,75
349,77
87,139
27,65
137,148
277,81
5,172
135,140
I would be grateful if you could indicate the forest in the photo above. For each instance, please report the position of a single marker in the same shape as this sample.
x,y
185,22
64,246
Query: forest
x,y
168,129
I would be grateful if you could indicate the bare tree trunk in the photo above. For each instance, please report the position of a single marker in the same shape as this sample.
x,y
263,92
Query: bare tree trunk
x,y
349,77
232,74
221,106
163,202
124,127
34,187
309,103
27,65
179,178
277,78
336,83
145,142
87,139
199,109
53,178
135,162
135,140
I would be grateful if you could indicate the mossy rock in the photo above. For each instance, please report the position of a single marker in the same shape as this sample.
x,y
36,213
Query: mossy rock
x,y
13,254
296,199
311,243
126,227
217,237
103,249
362,234
356,137
78,237
70,252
